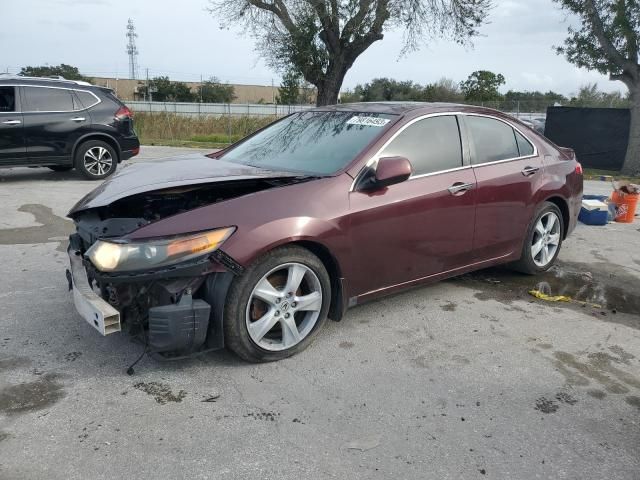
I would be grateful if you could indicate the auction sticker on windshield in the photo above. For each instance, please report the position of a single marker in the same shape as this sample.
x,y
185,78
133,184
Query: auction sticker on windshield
x,y
368,121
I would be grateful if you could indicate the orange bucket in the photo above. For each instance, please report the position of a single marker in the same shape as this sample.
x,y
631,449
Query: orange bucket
x,y
626,204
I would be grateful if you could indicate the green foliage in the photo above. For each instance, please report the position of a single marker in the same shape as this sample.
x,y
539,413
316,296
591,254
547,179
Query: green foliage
x,y
444,90
289,92
62,70
182,92
482,86
322,40
590,96
212,91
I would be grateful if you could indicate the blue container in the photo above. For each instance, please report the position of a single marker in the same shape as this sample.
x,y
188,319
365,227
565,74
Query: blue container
x,y
593,217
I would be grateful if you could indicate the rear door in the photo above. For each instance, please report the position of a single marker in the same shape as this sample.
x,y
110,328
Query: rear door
x,y
12,143
423,226
54,120
509,172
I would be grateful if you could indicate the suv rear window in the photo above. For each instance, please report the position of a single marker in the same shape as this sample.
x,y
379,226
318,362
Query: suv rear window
x,y
45,99
87,100
7,99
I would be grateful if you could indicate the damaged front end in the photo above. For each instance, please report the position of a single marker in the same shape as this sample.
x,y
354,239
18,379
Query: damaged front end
x,y
168,292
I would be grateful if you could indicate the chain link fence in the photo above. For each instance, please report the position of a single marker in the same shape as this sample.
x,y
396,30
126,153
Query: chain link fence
x,y
218,124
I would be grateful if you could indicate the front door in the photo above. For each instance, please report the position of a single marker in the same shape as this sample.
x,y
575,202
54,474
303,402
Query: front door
x,y
423,226
508,170
12,143
52,123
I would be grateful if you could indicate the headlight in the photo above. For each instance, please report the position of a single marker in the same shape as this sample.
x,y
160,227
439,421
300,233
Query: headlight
x,y
128,256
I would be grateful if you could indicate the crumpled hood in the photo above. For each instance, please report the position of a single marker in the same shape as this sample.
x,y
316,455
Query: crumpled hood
x,y
167,173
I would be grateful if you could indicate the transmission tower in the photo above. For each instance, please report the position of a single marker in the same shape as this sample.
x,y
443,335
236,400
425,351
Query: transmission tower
x,y
132,50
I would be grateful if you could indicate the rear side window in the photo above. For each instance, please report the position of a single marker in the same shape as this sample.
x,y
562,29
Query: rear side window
x,y
87,100
7,99
524,145
492,140
43,99
431,145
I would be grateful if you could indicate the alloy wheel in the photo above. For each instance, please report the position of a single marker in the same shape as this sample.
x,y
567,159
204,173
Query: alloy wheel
x,y
546,239
98,161
284,306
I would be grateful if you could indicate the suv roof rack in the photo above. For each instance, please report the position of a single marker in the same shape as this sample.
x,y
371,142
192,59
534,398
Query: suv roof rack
x,y
55,78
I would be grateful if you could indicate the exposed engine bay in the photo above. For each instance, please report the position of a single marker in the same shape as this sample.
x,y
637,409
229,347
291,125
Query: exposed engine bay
x,y
176,310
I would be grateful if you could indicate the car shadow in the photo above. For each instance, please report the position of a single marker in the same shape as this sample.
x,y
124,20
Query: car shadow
x,y
26,174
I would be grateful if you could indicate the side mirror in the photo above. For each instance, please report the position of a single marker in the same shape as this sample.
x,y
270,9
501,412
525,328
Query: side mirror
x,y
392,170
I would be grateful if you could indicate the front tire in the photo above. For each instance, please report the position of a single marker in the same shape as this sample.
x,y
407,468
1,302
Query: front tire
x,y
543,241
96,160
275,309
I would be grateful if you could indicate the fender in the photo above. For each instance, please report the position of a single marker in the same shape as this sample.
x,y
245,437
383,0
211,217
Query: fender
x,y
83,138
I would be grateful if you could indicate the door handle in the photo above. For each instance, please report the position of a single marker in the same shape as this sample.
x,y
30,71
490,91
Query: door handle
x,y
78,119
460,188
12,122
528,171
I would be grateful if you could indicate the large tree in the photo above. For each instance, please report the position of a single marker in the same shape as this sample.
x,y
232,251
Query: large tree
x,y
323,38
607,41
67,71
482,86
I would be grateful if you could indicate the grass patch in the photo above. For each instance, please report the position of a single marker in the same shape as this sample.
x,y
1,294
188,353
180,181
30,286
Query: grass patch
x,y
168,128
595,174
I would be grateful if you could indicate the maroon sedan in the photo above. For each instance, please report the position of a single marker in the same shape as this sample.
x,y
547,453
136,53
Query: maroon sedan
x,y
256,246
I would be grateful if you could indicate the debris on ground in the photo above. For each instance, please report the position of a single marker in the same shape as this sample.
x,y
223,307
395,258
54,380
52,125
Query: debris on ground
x,y
561,298
365,443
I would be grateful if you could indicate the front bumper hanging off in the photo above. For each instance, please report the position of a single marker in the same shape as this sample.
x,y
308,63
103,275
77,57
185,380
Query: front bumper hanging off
x,y
98,313
175,323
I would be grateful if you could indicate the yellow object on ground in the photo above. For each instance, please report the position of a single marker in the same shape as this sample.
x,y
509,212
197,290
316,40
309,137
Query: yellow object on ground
x,y
560,298
549,298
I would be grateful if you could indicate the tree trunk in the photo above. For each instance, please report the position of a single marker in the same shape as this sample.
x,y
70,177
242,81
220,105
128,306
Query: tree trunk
x,y
632,159
329,87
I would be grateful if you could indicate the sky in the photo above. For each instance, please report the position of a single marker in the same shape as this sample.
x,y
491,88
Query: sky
x,y
182,40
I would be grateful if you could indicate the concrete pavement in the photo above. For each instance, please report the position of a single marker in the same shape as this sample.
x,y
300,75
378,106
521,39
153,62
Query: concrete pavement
x,y
468,378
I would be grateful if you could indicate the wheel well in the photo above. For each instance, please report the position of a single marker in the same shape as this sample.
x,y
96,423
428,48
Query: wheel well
x,y
336,310
103,138
564,209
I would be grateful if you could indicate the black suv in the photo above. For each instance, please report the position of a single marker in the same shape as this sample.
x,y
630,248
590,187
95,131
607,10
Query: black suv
x,y
63,124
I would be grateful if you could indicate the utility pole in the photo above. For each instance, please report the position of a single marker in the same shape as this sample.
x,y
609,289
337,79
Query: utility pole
x,y
148,89
132,50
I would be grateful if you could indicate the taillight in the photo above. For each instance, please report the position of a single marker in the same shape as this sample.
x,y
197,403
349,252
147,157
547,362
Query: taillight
x,y
579,168
124,112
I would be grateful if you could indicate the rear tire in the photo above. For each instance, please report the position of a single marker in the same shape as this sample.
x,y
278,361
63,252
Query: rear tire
x,y
96,160
59,168
543,240
277,306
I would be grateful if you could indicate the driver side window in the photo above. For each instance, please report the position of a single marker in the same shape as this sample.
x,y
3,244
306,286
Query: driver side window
x,y
431,145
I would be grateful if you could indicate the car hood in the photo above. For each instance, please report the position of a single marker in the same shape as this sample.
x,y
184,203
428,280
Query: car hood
x,y
168,173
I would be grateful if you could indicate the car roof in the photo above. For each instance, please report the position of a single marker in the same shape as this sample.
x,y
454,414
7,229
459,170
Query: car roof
x,y
43,81
402,108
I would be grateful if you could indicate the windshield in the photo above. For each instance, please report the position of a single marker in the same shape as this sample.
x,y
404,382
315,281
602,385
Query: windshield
x,y
313,143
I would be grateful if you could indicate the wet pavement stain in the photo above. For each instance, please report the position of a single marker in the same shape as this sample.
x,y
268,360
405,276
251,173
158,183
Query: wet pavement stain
x,y
346,345
597,394
599,369
4,436
564,397
12,363
633,401
545,405
53,229
31,396
161,392
597,283
449,307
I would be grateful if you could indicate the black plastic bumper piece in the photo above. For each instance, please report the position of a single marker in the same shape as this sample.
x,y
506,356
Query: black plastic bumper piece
x,y
180,328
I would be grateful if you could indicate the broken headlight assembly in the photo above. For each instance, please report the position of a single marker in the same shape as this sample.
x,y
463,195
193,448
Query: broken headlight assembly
x,y
123,256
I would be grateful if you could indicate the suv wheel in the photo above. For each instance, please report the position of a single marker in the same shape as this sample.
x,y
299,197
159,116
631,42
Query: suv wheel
x,y
96,160
277,306
543,241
